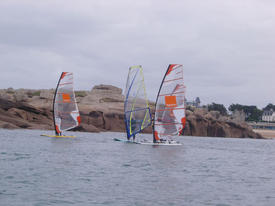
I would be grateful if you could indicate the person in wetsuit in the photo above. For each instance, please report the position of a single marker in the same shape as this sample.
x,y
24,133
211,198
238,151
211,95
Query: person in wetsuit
x,y
133,125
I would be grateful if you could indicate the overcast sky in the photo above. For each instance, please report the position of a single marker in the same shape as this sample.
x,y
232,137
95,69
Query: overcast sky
x,y
227,47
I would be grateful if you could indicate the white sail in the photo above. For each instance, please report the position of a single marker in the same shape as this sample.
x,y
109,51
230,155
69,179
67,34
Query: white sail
x,y
66,113
170,117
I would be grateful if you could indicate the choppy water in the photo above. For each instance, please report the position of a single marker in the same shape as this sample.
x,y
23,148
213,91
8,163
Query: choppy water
x,y
95,170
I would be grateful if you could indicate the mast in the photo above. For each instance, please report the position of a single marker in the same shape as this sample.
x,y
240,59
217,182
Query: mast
x,y
126,97
61,76
154,135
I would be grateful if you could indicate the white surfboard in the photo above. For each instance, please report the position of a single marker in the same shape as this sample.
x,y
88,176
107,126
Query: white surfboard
x,y
125,141
166,143
57,136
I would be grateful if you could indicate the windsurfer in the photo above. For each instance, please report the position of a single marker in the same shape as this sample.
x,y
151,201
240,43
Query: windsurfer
x,y
133,124
133,127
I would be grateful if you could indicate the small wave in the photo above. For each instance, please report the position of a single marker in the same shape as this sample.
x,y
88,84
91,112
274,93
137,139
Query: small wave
x,y
126,165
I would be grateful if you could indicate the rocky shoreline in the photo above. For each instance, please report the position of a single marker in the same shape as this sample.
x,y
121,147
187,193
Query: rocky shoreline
x,y
266,133
101,109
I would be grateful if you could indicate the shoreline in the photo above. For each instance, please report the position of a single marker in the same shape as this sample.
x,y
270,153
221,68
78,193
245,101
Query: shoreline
x,y
102,109
268,134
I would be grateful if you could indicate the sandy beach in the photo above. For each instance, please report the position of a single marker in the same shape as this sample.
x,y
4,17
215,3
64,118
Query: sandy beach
x,y
265,133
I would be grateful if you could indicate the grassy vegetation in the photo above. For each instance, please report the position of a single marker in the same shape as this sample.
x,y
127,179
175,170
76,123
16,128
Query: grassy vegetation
x,y
32,94
36,93
80,93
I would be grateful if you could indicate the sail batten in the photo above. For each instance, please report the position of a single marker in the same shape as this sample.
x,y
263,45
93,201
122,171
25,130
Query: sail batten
x,y
170,105
65,110
136,106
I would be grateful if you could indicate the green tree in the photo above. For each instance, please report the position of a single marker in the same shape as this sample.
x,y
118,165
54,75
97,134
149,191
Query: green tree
x,y
234,107
252,113
217,107
269,107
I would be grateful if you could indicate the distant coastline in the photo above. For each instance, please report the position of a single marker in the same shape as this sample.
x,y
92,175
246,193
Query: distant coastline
x,y
101,109
266,133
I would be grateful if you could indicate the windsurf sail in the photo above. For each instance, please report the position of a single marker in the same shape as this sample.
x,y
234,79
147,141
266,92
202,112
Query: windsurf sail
x,y
65,111
137,113
170,117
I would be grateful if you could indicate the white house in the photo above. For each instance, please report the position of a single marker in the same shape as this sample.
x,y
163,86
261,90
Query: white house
x,y
268,116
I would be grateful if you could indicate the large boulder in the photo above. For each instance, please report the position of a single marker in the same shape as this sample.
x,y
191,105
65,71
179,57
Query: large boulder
x,y
23,115
114,122
7,125
106,89
213,124
103,94
20,96
46,94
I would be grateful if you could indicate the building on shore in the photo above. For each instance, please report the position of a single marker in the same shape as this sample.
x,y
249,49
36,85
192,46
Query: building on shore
x,y
196,103
268,116
238,115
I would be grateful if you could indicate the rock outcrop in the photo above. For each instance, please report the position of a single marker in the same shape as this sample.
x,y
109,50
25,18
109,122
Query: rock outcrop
x,y
101,109
212,124
22,115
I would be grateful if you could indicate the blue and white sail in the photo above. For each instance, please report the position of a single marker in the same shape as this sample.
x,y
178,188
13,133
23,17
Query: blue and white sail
x,y
136,106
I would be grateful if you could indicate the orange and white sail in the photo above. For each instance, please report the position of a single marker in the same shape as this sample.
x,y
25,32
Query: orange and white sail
x,y
170,116
65,110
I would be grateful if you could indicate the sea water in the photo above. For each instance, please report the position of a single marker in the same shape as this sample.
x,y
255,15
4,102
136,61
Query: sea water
x,y
92,169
